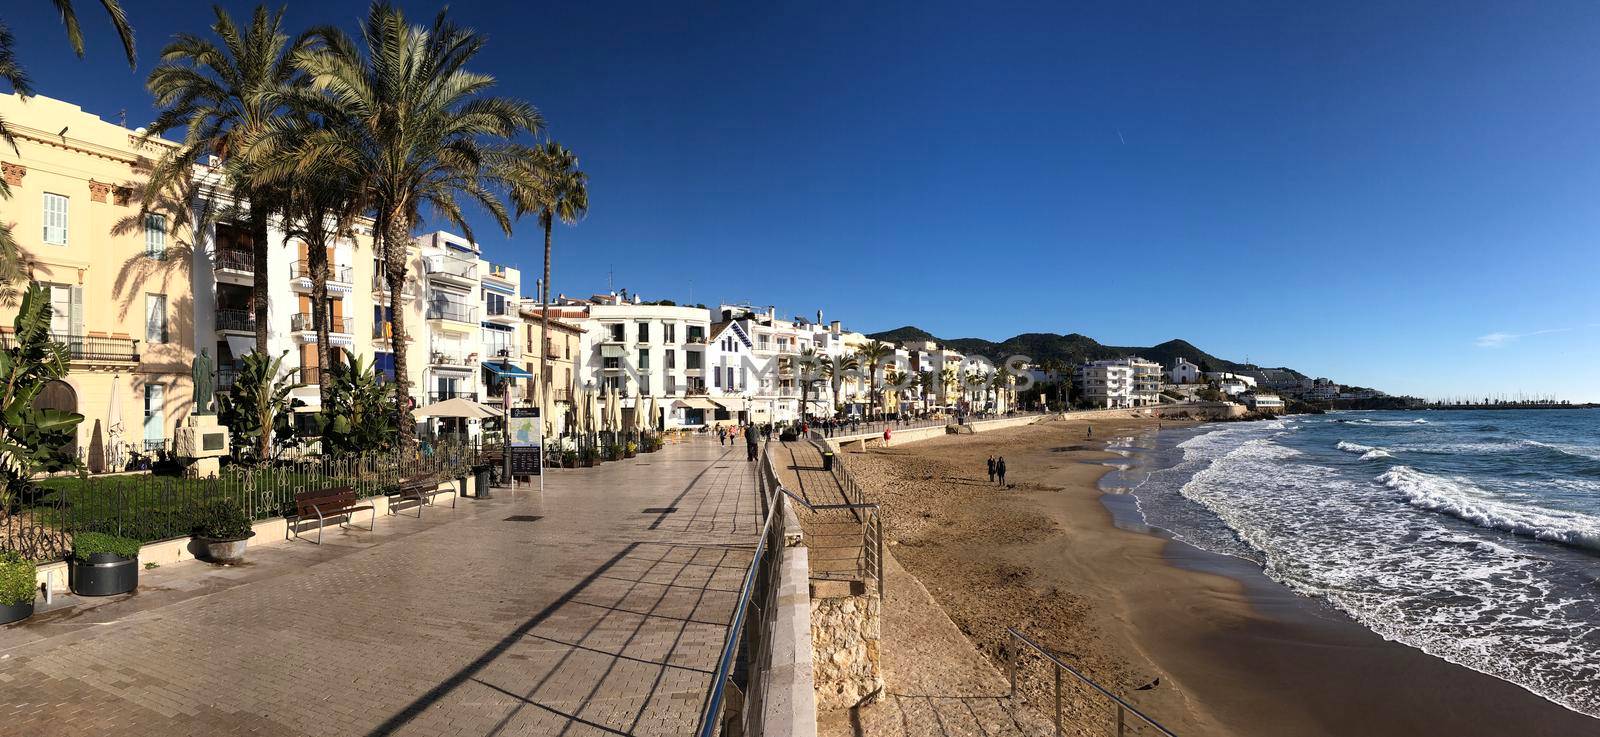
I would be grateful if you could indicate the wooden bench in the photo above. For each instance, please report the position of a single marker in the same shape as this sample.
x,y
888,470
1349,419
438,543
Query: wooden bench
x,y
334,501
423,489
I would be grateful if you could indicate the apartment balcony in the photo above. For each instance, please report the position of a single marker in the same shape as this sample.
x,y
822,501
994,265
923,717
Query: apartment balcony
x,y
466,394
452,311
236,321
561,394
443,359
234,267
380,287
89,349
503,314
696,341
302,323
339,280
457,271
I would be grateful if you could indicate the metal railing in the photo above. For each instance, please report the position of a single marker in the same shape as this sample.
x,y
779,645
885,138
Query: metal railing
x,y
234,261
452,311
243,321
747,646
40,520
88,348
303,270
1121,724
303,321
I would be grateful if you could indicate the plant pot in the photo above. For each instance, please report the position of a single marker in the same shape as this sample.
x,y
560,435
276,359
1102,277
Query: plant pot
x,y
15,612
225,552
104,574
630,454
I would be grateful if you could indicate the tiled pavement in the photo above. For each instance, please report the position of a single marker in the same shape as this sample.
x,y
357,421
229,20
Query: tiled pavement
x,y
597,619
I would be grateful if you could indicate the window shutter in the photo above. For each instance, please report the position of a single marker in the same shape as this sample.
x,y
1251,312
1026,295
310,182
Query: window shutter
x,y
77,311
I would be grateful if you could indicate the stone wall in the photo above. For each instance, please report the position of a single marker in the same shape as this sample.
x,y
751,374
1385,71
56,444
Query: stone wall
x,y
846,626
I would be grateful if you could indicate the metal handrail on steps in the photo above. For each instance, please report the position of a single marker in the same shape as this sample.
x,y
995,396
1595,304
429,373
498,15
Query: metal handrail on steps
x,y
1123,708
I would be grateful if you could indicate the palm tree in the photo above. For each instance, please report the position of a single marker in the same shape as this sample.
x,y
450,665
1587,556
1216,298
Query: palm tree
x,y
873,354
835,370
320,209
947,380
416,129
563,194
14,262
225,97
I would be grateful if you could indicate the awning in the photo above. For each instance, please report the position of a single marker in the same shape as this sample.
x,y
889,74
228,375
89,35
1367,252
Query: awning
x,y
457,407
695,403
507,370
732,404
239,345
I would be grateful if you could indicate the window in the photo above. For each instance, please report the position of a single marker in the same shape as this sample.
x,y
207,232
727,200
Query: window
x,y
644,332
155,318
61,314
644,359
672,359
494,304
716,379
154,429
694,360
155,235
55,219
670,332
616,332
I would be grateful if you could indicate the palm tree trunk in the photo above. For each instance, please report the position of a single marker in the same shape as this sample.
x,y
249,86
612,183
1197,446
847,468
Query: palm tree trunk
x,y
317,255
396,236
544,319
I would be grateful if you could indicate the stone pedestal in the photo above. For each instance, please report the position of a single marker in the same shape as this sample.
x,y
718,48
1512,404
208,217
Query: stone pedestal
x,y
846,626
202,442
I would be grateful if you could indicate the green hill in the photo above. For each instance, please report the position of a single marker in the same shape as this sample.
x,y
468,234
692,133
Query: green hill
x,y
1072,348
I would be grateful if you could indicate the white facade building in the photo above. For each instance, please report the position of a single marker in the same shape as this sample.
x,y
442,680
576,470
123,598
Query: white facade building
x,y
453,308
1121,382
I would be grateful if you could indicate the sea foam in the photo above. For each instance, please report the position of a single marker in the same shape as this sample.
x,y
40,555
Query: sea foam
x,y
1458,498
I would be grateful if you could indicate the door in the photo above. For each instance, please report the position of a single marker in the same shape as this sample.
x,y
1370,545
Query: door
x,y
154,432
61,396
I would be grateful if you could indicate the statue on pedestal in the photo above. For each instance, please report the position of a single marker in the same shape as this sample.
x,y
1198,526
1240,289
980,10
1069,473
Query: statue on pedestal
x,y
204,383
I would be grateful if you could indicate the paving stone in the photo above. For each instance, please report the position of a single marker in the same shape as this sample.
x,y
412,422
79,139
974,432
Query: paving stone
x,y
596,619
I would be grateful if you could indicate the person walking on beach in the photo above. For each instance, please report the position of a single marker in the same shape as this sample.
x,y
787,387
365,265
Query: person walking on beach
x,y
991,469
1000,469
885,437
1091,431
750,443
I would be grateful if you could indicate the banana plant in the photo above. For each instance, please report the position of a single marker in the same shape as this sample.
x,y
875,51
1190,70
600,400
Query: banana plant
x,y
33,439
260,405
359,414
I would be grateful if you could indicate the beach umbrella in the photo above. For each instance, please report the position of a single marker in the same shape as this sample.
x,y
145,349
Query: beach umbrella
x,y
614,409
591,422
114,422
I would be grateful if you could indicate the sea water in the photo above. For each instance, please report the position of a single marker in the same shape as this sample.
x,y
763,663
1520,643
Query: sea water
x,y
1471,535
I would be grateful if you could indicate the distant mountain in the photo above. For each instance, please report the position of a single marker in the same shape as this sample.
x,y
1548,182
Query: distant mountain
x,y
1071,349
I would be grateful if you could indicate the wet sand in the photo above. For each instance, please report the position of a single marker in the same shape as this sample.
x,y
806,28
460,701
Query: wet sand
x,y
1237,654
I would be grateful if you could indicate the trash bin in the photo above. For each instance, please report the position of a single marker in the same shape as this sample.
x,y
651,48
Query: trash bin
x,y
483,483
827,460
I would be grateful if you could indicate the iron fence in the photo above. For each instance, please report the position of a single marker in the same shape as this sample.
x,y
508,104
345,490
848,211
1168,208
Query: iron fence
x,y
40,519
1122,717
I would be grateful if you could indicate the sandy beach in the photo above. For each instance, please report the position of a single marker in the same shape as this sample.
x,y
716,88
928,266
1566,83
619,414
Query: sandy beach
x,y
1234,652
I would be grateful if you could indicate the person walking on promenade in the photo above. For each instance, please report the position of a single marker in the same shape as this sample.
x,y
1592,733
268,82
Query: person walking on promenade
x,y
750,443
991,469
1000,469
885,437
722,435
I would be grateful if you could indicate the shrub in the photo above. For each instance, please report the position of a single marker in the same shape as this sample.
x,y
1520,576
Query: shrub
x,y
569,458
88,543
221,520
18,581
632,448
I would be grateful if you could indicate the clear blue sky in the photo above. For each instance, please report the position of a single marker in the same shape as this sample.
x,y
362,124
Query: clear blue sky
x,y
1364,192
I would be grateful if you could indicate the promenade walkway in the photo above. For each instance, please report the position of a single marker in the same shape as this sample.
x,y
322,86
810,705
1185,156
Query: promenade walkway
x,y
596,608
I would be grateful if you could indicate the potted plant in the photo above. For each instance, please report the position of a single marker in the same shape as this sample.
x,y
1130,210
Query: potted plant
x,y
631,449
591,456
569,459
103,565
18,587
222,529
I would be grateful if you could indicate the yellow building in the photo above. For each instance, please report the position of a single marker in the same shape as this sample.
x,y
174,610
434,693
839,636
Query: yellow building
x,y
564,349
120,285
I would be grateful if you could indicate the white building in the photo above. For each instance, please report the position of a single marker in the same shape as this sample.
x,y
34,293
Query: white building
x,y
645,349
452,299
1184,372
502,360
1262,402
1122,382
